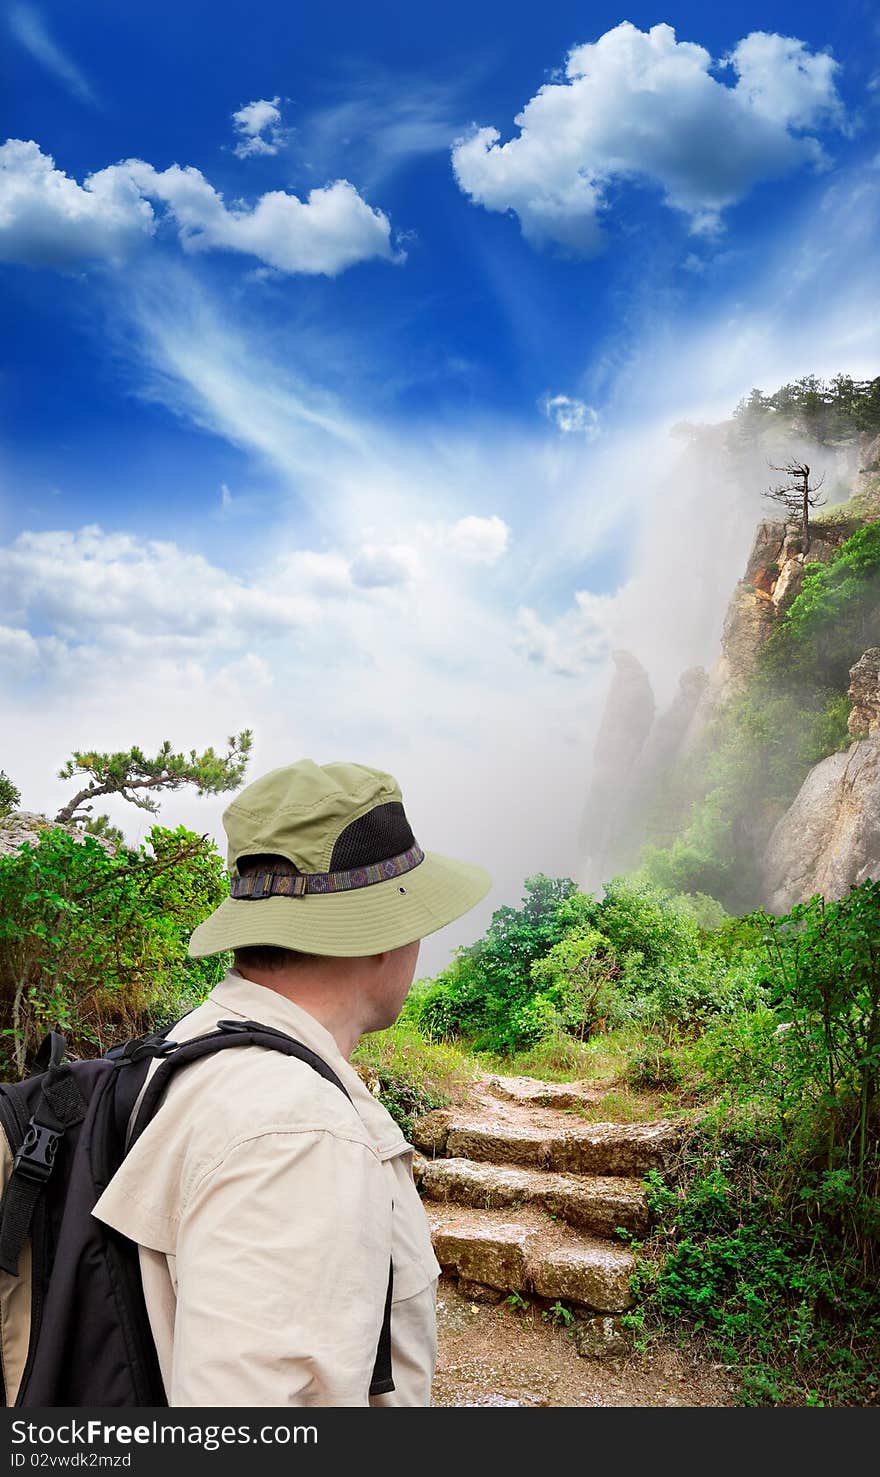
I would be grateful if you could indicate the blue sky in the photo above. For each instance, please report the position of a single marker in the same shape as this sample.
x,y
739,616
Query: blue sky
x,y
339,341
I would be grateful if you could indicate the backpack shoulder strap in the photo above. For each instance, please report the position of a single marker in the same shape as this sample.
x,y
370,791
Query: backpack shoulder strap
x,y
175,1055
59,1106
231,1033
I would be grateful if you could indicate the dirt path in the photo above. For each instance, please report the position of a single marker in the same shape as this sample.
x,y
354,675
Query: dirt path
x,y
495,1356
524,1185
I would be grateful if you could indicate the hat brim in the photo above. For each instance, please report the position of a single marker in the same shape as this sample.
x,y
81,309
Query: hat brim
x,y
366,920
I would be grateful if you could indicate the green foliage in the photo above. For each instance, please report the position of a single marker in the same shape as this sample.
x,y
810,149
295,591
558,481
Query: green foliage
x,y
829,730
131,774
559,1314
487,994
568,966
832,412
100,825
653,1065
95,945
771,1286
9,795
766,1238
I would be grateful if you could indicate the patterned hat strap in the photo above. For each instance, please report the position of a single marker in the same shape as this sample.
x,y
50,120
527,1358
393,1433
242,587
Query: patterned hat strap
x,y
258,885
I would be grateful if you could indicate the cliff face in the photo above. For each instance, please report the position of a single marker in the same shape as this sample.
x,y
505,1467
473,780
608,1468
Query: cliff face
x,y
634,752
649,767
829,839
774,574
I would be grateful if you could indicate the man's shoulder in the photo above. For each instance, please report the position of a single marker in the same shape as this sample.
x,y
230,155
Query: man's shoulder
x,y
250,1090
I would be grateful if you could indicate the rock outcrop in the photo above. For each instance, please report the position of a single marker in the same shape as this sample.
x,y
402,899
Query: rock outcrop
x,y
25,827
773,577
864,692
866,492
829,839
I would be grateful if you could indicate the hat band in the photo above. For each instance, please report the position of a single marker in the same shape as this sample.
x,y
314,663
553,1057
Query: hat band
x,y
257,885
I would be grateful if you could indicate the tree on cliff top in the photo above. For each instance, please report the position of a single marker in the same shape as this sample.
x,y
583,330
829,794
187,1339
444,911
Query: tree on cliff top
x,y
796,495
132,775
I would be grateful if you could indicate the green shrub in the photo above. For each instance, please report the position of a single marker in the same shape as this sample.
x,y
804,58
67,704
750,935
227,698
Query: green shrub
x,y
95,945
766,1280
9,795
654,1066
487,994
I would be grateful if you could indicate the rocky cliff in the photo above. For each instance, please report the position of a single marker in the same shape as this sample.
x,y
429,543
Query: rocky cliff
x,y
828,838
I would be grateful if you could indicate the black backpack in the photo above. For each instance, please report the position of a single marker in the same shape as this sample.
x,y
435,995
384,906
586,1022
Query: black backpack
x,y
89,1341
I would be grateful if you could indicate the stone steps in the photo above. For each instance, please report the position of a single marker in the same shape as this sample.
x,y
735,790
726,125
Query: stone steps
x,y
523,1252
533,1093
594,1204
524,1195
628,1149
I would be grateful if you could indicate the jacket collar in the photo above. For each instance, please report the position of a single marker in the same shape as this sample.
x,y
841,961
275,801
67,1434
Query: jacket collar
x,y
237,996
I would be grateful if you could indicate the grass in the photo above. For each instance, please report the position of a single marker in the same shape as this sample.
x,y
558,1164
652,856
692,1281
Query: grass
x,y
412,1076
564,1059
621,1105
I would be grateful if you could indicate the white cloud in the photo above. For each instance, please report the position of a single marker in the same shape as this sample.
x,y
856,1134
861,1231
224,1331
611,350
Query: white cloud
x,y
132,596
378,567
18,648
578,639
47,219
258,125
473,540
30,30
88,585
640,105
573,417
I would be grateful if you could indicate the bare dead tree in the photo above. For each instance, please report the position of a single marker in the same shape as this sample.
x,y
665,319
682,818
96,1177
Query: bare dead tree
x,y
796,495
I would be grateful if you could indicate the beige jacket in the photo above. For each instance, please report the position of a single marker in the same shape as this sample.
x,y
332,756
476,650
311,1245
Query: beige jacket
x,y
264,1204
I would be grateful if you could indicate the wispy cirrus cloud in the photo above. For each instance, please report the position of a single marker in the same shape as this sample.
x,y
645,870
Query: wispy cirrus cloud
x,y
376,126
28,26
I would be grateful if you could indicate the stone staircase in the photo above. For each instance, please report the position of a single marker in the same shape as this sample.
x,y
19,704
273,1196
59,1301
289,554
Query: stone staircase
x,y
524,1195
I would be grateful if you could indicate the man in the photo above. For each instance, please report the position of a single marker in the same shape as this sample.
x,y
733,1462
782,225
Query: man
x,y
266,1204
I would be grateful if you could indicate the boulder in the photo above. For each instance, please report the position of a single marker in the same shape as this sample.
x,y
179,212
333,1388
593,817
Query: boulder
x,y
829,839
602,1338
864,691
26,827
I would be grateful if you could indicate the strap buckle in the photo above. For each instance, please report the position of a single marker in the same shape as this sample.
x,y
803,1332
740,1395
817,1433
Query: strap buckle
x,y
35,1159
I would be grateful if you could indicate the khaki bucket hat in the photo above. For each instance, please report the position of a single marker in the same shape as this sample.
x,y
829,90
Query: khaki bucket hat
x,y
361,883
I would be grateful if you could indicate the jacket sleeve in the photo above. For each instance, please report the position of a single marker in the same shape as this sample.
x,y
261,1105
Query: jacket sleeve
x,y
281,1274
